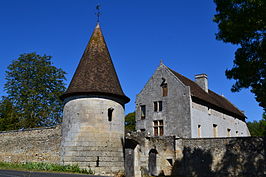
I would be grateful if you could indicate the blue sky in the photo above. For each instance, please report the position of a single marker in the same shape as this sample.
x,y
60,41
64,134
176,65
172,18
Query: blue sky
x,y
138,33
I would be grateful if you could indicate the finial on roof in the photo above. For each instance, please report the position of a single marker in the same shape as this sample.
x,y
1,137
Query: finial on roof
x,y
98,13
95,74
161,62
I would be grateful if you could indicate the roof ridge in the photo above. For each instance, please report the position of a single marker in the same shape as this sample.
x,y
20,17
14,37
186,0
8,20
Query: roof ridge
x,y
210,97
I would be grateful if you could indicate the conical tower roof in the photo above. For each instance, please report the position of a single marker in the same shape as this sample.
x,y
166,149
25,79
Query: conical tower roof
x,y
95,74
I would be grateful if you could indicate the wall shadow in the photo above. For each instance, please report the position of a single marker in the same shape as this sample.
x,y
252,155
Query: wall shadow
x,y
241,157
195,162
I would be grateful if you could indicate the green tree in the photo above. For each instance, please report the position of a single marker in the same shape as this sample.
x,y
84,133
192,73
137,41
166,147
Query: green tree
x,y
130,122
33,87
243,22
258,128
8,115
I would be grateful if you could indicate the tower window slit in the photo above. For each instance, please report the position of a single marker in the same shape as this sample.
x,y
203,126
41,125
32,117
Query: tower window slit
x,y
97,161
110,114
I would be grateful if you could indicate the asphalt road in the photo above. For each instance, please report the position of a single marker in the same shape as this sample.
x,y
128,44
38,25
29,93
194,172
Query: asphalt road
x,y
13,173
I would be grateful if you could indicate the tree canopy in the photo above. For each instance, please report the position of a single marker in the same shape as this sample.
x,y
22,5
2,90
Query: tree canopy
x,y
130,123
258,128
33,87
8,115
243,22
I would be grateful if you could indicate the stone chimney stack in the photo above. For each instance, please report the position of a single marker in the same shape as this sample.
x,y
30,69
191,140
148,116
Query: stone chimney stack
x,y
202,81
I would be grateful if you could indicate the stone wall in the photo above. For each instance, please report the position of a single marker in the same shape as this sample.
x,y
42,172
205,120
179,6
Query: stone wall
x,y
202,120
175,112
90,138
208,157
222,157
138,155
32,145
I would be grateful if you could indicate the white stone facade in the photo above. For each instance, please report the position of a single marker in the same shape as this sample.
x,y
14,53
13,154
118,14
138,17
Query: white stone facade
x,y
203,121
180,115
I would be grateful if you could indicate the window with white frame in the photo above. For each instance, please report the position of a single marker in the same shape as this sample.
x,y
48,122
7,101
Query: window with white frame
x,y
157,106
158,129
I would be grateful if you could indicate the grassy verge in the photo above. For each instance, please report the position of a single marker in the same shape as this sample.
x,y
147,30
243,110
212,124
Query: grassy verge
x,y
49,167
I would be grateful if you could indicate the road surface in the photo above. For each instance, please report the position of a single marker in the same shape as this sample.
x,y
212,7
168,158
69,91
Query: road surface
x,y
13,173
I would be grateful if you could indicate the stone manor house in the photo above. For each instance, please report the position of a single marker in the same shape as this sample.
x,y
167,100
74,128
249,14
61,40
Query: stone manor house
x,y
183,128
172,105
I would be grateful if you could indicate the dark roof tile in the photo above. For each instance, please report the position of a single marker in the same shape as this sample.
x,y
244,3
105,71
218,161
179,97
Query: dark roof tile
x,y
210,97
95,73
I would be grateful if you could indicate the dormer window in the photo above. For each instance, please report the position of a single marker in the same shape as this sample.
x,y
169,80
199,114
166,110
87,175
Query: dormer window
x,y
209,111
164,87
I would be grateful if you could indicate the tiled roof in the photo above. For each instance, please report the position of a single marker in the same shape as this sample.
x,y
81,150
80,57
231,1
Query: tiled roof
x,y
210,98
95,74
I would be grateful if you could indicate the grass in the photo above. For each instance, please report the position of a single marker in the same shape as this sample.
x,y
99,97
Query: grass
x,y
40,166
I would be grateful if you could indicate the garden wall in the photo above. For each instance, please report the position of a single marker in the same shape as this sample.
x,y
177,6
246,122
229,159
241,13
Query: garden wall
x,y
31,145
220,157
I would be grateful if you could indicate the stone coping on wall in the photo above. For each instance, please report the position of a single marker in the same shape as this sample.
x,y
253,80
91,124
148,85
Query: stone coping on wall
x,y
31,129
242,137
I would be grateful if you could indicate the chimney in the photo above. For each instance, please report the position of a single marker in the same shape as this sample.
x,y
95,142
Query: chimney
x,y
202,81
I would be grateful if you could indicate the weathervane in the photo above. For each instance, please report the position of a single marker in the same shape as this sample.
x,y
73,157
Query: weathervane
x,y
98,13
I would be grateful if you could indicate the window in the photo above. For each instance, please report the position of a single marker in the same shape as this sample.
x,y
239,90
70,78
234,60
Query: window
x,y
236,133
165,91
160,106
215,130
228,132
110,114
158,128
142,111
164,87
199,131
157,106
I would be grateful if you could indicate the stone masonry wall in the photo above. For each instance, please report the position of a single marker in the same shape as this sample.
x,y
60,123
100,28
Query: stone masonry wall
x,y
222,157
202,157
227,126
33,145
89,138
165,156
175,112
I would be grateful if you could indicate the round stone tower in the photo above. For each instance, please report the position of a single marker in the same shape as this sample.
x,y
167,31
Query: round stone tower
x,y
93,121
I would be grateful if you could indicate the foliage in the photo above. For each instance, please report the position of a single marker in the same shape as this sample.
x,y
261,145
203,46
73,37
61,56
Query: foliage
x,y
258,128
8,115
130,122
37,166
243,22
33,86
